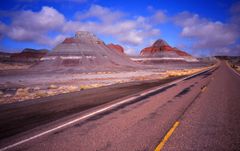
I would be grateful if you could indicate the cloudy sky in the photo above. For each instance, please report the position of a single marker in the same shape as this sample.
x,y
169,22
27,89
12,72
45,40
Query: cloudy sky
x,y
201,27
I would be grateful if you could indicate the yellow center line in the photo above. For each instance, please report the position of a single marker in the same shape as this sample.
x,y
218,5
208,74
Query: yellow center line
x,y
170,132
167,136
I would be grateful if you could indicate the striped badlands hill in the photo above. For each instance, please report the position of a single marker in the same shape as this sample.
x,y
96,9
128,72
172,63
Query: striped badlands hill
x,y
116,47
85,52
162,50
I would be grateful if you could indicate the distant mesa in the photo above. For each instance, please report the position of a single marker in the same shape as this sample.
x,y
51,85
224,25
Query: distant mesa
x,y
27,55
85,52
116,47
5,55
35,51
161,50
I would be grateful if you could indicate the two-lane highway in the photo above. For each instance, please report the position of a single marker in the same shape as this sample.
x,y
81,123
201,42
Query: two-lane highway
x,y
213,121
199,113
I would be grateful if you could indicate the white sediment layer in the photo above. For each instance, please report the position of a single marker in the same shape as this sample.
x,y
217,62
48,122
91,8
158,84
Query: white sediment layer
x,y
85,51
165,58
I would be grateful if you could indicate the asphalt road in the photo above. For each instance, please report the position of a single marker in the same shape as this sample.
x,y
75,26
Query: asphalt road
x,y
206,109
22,116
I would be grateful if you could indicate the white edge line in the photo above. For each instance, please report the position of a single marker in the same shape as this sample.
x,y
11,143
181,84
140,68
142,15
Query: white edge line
x,y
232,68
97,112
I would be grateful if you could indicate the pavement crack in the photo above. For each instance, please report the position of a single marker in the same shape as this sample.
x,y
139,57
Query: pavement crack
x,y
192,102
184,91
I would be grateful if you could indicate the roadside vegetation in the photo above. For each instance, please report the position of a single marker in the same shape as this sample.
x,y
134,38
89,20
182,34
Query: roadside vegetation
x,y
234,62
22,93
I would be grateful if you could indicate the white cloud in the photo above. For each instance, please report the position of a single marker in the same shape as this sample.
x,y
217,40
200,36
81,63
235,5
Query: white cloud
x,y
210,35
102,13
126,31
34,26
3,28
53,41
47,18
130,51
133,38
233,51
22,34
37,26
159,17
112,23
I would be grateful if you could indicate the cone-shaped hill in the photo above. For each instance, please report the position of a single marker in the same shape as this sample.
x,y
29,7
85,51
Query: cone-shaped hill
x,y
162,50
85,52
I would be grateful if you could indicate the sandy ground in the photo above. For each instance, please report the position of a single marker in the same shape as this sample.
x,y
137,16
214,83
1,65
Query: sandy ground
x,y
13,66
237,69
14,88
235,66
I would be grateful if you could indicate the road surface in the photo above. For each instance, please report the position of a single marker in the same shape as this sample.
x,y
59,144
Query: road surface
x,y
21,116
199,113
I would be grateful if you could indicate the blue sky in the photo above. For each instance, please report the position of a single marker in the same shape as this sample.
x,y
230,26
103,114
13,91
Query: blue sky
x,y
201,28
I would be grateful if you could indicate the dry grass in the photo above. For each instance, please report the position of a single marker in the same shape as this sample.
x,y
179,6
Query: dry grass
x,y
175,73
234,66
5,66
52,86
238,68
35,92
149,77
170,73
89,86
